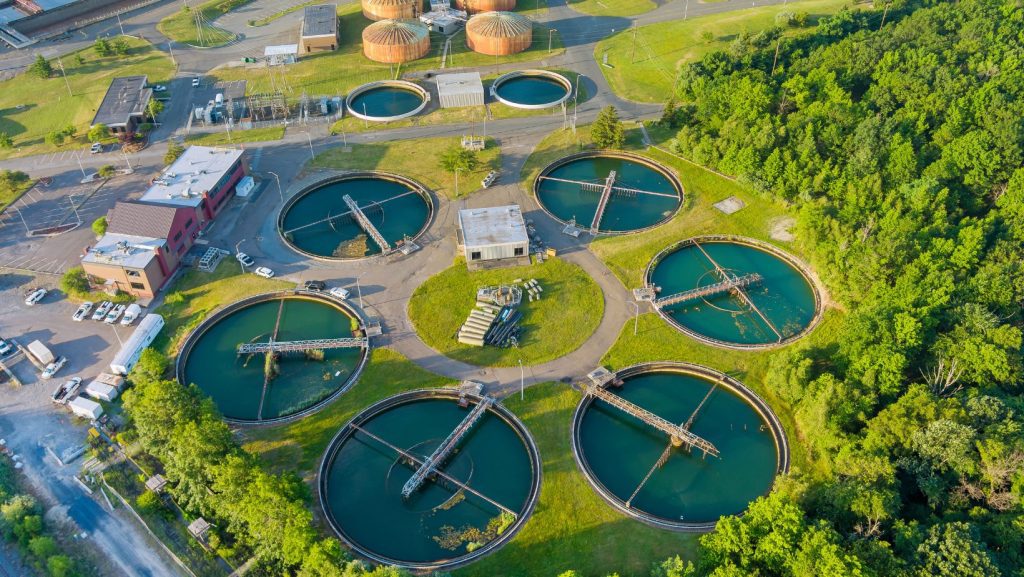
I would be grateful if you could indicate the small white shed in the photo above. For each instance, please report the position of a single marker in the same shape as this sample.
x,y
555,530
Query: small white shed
x,y
101,391
493,233
85,408
460,90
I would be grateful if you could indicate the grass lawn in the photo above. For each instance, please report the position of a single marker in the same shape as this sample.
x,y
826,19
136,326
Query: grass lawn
x,y
196,294
612,7
572,527
236,136
417,159
181,26
298,446
46,105
11,191
663,48
338,72
566,316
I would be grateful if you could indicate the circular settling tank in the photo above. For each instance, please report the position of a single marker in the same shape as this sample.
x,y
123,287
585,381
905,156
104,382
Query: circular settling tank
x,y
531,89
639,470
440,523
386,101
251,388
643,193
779,304
319,222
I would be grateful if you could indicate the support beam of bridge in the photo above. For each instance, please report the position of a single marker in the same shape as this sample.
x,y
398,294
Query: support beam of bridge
x,y
727,285
678,434
419,462
347,213
599,187
366,225
297,346
445,448
602,204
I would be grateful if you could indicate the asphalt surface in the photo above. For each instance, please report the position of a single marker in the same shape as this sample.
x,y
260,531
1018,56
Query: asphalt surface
x,y
386,284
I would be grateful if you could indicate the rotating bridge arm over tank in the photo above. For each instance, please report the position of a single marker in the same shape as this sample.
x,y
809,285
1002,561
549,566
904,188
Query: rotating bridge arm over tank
x,y
301,346
445,448
678,433
726,276
366,225
727,285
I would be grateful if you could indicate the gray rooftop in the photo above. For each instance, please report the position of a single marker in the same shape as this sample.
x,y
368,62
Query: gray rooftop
x,y
124,250
495,225
127,96
320,20
460,83
196,171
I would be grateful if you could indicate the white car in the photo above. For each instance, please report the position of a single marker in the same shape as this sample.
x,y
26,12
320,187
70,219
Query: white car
x,y
35,296
5,347
130,314
114,314
82,312
263,272
159,88
96,148
195,82
102,310
339,292
245,259
52,368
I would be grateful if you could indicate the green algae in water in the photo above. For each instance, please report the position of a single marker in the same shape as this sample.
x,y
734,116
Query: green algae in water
x,y
624,212
235,383
688,488
364,482
342,237
784,296
386,101
532,90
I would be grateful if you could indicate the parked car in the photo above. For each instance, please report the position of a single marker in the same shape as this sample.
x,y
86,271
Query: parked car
x,y
315,285
195,82
101,311
5,347
263,272
52,368
96,148
35,296
245,259
339,292
82,312
114,314
130,314
66,390
159,88
489,179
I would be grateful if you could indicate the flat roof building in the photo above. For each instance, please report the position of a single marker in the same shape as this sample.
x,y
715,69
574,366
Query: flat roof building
x,y
178,224
281,54
458,90
124,106
133,264
203,178
493,233
319,29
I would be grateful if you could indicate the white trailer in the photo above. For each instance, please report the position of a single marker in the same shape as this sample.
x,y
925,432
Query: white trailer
x,y
40,353
85,408
129,354
101,392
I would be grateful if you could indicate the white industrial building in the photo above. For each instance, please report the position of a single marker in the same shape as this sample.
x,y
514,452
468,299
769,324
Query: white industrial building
x,y
460,90
493,233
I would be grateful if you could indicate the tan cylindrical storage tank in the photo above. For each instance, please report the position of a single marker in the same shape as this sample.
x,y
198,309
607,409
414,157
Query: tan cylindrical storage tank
x,y
477,6
395,41
392,9
499,33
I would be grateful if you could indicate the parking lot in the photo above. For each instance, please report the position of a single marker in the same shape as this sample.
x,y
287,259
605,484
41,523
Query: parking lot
x,y
63,201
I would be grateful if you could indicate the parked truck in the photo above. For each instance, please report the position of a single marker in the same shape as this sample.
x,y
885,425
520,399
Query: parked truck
x,y
144,334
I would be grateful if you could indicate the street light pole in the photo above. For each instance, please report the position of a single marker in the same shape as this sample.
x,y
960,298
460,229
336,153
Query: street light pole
x,y
359,288
310,139
237,247
278,179
636,317
522,379
457,169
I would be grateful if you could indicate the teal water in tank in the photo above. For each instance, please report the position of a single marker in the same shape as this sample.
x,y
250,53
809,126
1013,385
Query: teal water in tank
x,y
393,212
236,382
624,212
784,296
621,449
532,90
386,101
365,479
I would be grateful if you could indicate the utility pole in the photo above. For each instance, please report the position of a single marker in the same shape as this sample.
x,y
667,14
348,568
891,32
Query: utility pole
x,y
551,32
238,245
776,59
278,179
884,12
119,25
64,74
686,9
312,156
632,57
522,379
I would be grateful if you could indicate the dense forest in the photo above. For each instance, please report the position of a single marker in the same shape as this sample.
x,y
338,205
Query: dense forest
x,y
900,145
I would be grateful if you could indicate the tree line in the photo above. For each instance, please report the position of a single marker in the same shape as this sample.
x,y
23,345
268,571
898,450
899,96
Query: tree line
x,y
900,146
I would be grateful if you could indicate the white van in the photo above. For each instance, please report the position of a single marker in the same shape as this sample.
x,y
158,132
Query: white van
x,y
130,314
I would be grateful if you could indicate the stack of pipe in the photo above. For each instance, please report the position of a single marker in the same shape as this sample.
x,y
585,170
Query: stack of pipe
x,y
476,326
